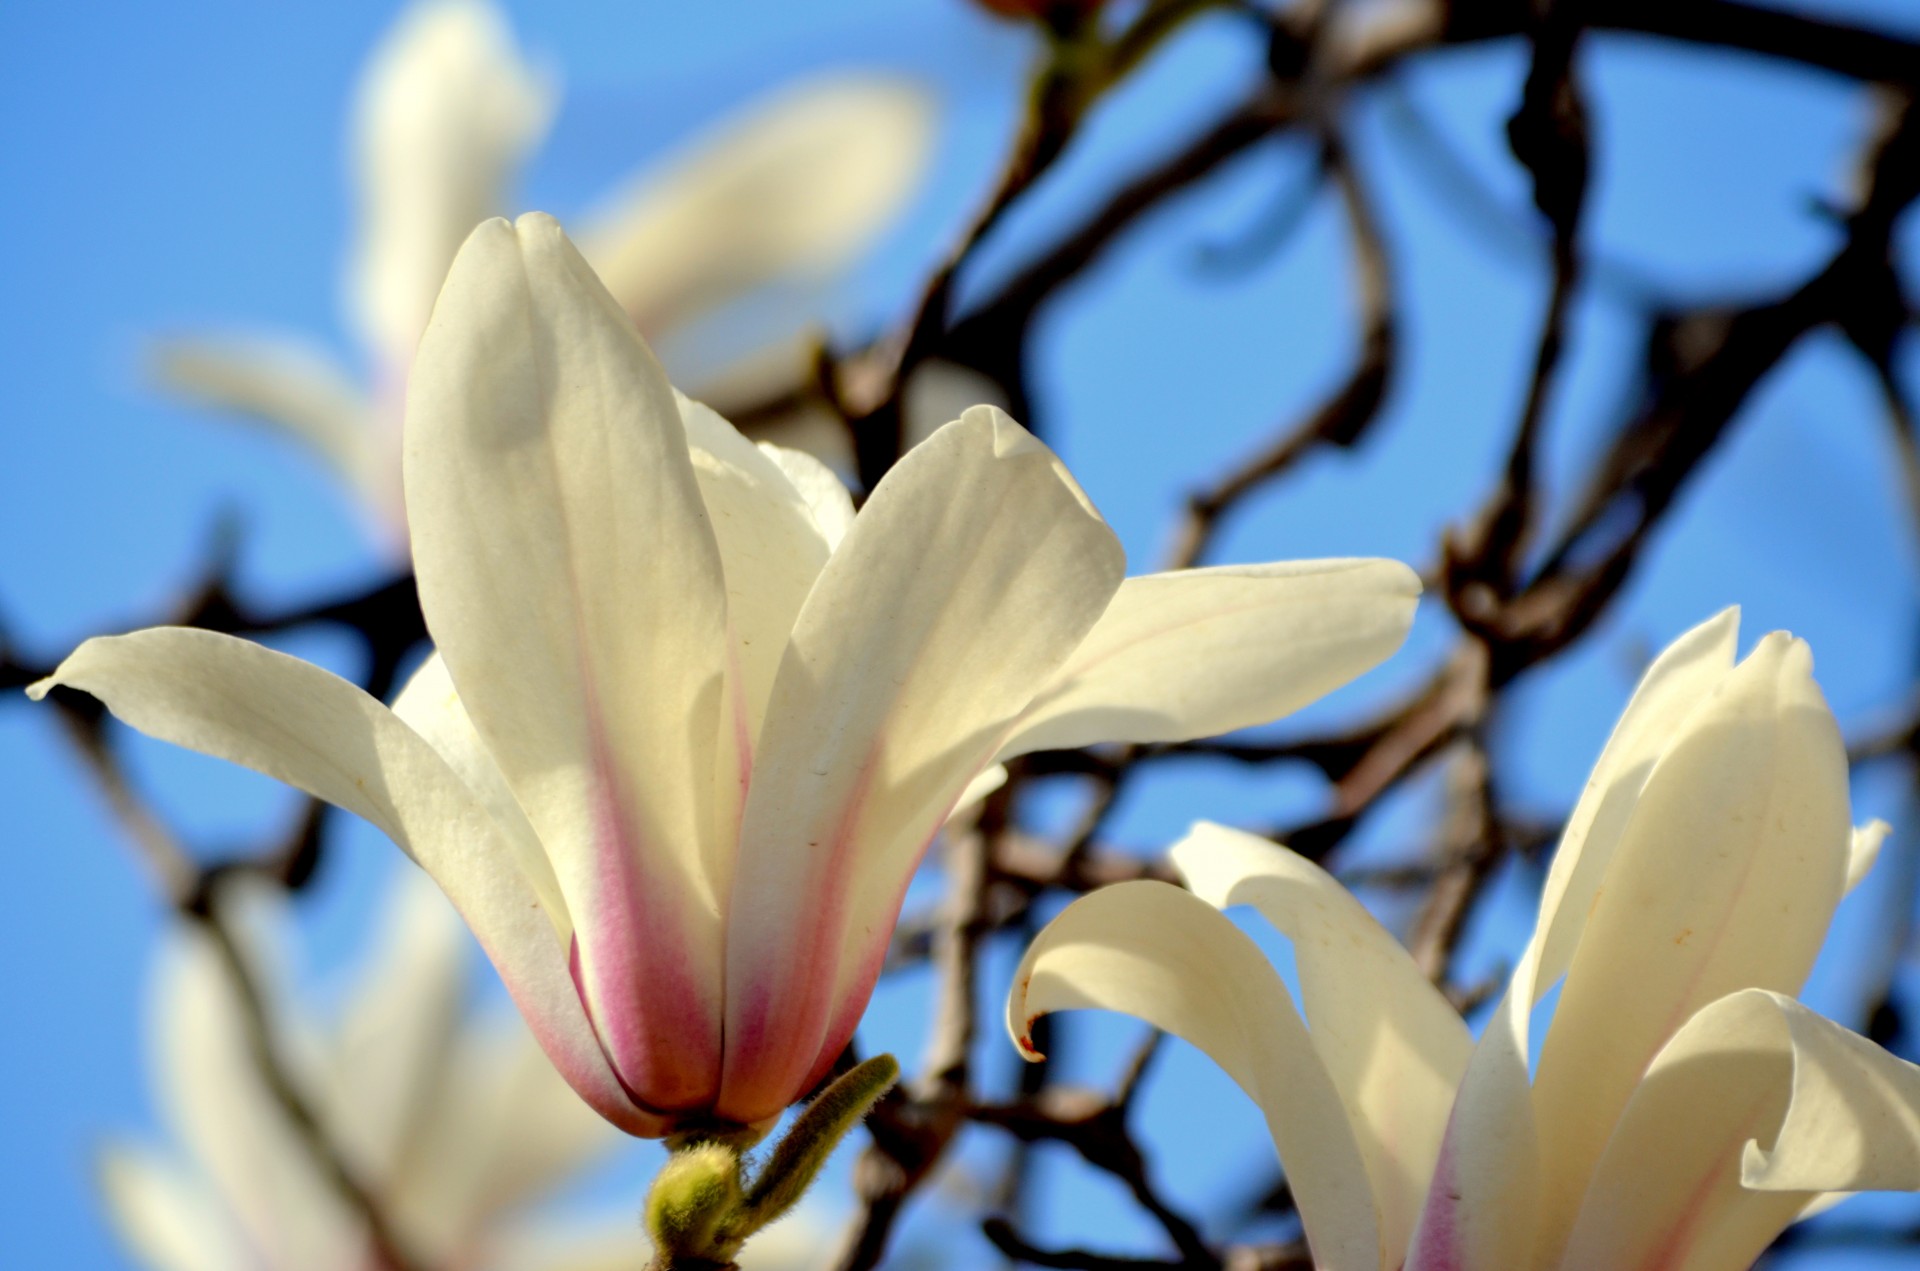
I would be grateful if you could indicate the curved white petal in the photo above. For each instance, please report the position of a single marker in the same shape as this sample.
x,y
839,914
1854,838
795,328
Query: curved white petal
x,y
311,729
1157,953
794,186
1725,877
295,387
572,581
1853,1122
163,1214
1197,652
1481,1210
1864,849
447,109
1756,1109
1393,1045
971,574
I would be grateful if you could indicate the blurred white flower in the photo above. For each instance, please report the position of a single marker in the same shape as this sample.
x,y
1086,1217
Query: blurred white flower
x,y
1685,1108
692,722
453,1118
789,190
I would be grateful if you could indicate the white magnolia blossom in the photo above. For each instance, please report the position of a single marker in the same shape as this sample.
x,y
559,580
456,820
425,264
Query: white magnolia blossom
x,y
453,1118
692,723
1685,1109
792,188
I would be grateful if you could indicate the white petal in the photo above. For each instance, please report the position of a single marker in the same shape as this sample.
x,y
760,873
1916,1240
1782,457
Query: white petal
x,y
1161,955
825,493
1683,677
792,187
311,729
1391,1042
938,391
1756,1109
1481,1210
1204,651
295,387
1853,1123
775,384
1864,850
980,787
571,579
1725,877
973,571
163,1214
771,546
430,706
447,110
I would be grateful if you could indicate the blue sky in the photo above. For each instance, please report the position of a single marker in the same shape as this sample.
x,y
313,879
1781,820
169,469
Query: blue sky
x,y
172,168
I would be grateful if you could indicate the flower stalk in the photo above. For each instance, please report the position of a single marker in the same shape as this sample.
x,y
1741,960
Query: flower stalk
x,y
702,1208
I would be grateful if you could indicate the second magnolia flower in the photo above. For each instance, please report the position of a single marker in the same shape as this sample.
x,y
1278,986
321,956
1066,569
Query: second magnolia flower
x,y
692,723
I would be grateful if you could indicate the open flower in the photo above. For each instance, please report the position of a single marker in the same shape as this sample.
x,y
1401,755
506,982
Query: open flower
x,y
692,723
1685,1109
452,1119
790,190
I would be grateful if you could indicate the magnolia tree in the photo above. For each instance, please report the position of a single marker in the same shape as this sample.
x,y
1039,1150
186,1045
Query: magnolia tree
x,y
714,691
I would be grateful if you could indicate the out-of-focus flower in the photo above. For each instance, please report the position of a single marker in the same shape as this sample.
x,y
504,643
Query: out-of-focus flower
x,y
789,190
455,1121
1685,1109
692,723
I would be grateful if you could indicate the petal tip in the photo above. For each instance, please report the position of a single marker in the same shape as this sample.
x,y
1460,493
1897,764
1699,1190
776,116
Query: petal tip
x,y
1406,579
533,223
1009,438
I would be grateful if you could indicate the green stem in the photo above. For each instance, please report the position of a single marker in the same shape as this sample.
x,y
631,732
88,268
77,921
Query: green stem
x,y
701,1209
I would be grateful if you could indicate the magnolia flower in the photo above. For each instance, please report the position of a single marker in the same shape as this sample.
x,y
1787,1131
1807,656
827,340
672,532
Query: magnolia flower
x,y
692,723
1685,1109
455,1121
448,110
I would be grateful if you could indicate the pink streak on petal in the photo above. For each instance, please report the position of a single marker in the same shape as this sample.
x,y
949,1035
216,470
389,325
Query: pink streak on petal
x,y
1437,1238
640,1104
786,1008
742,729
1671,1253
867,962
830,1017
654,1017
593,1078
